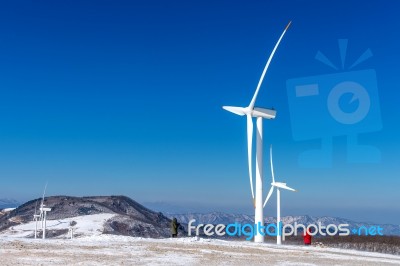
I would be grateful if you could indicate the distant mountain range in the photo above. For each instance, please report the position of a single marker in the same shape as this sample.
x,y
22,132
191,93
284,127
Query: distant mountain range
x,y
8,203
131,218
225,218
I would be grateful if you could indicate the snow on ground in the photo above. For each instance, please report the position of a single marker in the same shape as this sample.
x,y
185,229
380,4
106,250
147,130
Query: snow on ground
x,y
91,247
7,209
87,225
118,250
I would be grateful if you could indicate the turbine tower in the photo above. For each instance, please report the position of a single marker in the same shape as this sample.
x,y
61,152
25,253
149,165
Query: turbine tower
x,y
260,113
278,186
36,217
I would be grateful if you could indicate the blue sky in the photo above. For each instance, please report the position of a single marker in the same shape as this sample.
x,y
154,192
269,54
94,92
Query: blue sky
x,y
124,97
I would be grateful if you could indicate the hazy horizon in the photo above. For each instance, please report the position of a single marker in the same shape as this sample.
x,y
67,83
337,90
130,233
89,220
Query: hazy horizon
x,y
359,215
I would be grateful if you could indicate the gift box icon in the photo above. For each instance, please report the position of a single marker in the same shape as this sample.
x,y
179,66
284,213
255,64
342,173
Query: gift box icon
x,y
342,103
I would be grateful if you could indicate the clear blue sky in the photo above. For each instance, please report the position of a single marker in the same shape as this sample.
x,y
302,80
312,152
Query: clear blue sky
x,y
124,97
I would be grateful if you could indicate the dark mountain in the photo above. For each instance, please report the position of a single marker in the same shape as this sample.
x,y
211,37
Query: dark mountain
x,y
131,218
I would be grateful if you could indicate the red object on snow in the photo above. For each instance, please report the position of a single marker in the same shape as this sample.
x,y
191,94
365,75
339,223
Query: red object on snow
x,y
307,238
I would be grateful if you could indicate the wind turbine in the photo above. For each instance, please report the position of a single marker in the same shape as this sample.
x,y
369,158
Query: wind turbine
x,y
43,214
260,113
36,217
278,186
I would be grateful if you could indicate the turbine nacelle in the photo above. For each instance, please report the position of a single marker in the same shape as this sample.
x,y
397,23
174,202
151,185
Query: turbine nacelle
x,y
264,113
254,112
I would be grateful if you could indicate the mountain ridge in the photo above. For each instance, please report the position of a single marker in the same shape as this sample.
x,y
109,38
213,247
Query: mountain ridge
x,y
226,218
8,203
131,218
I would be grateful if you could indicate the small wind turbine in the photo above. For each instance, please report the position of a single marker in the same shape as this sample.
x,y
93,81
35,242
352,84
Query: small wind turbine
x,y
36,217
260,113
43,214
278,186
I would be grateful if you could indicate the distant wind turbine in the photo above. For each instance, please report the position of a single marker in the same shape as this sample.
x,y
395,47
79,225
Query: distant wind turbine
x,y
260,113
43,214
36,217
278,186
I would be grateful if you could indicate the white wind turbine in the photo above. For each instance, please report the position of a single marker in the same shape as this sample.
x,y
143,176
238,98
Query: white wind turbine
x,y
278,186
260,113
43,214
36,217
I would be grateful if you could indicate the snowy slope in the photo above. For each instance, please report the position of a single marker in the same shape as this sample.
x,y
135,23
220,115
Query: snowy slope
x,y
131,218
86,225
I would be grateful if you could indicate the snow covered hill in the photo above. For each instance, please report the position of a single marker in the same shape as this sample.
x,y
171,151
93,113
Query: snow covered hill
x,y
85,226
127,216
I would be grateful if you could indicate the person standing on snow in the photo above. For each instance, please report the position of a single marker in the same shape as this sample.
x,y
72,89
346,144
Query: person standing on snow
x,y
307,237
174,227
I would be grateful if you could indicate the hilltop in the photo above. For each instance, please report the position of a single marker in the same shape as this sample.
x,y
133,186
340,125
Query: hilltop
x,y
127,217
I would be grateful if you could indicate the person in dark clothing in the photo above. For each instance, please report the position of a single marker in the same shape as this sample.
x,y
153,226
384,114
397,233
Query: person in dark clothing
x,y
174,227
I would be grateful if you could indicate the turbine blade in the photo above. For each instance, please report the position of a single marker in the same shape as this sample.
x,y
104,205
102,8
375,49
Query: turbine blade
x,y
269,195
44,192
280,185
35,207
291,189
249,150
236,110
253,100
272,165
